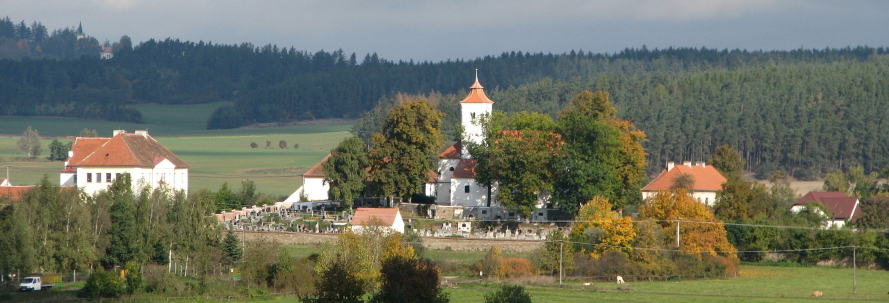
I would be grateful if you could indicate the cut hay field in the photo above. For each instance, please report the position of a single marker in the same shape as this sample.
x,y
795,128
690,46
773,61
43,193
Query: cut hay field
x,y
215,156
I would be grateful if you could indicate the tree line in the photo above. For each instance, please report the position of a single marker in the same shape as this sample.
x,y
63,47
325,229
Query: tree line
x,y
807,112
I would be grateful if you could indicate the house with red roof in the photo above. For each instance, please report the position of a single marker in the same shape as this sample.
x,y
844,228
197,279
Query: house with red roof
x,y
837,208
387,217
95,162
705,181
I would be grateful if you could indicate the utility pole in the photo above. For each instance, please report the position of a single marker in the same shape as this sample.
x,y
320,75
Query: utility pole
x,y
854,273
677,232
561,243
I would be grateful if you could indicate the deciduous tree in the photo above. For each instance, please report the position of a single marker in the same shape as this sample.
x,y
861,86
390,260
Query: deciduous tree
x,y
599,225
603,154
699,229
29,144
402,152
346,170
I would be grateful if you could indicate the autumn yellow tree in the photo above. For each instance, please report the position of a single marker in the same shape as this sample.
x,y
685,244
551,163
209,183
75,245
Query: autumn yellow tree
x,y
364,252
699,230
602,227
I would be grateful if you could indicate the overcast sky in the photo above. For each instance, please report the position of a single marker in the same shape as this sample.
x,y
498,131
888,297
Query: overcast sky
x,y
439,30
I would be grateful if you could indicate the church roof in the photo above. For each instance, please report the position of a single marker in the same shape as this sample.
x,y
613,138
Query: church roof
x,y
452,152
317,171
465,169
476,94
124,149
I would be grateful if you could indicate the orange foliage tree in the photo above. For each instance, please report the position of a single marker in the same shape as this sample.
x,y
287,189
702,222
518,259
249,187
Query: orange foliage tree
x,y
601,226
699,230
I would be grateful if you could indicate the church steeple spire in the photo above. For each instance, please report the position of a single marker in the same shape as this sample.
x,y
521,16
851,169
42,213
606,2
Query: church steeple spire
x,y
472,108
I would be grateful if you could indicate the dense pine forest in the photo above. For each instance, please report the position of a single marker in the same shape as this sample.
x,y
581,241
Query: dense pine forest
x,y
805,111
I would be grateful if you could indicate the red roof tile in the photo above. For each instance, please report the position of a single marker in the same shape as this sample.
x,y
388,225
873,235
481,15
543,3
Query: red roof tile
x,y
839,204
14,192
706,178
476,94
452,152
465,169
317,171
124,149
386,215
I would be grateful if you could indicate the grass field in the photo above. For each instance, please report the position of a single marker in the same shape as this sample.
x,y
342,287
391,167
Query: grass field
x,y
215,156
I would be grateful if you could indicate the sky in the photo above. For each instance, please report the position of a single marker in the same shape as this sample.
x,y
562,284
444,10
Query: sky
x,y
460,29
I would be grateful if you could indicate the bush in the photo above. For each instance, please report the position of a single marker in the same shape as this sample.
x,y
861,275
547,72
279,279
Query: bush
x,y
337,284
409,280
508,294
102,284
504,267
159,280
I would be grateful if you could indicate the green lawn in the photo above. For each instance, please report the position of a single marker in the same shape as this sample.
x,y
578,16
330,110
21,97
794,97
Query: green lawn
x,y
215,156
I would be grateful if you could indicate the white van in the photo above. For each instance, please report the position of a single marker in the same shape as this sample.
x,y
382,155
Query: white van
x,y
31,284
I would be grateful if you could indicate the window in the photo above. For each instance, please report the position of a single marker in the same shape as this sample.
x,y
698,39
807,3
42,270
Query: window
x,y
107,177
117,175
473,115
98,177
466,189
451,169
484,212
89,178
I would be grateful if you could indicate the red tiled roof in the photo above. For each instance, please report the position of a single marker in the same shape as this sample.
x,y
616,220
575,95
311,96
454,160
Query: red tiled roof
x,y
317,171
839,204
124,149
452,152
476,94
433,177
706,178
14,192
465,169
386,215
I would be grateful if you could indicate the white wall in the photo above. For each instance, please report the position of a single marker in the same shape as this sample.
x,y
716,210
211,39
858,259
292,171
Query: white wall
x,y
173,178
477,196
315,188
472,131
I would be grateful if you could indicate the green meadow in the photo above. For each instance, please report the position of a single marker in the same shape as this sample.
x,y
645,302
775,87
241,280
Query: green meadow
x,y
215,156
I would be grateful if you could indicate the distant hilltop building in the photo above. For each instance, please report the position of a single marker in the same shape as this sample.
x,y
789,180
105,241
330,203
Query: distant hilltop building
x,y
94,163
79,32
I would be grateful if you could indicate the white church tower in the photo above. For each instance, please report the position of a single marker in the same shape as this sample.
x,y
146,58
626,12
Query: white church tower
x,y
474,106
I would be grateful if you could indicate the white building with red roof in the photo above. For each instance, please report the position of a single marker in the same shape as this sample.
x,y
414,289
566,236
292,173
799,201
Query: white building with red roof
x,y
842,208
705,181
94,163
386,217
456,184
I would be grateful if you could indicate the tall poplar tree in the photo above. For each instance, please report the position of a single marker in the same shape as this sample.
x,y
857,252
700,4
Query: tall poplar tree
x,y
403,152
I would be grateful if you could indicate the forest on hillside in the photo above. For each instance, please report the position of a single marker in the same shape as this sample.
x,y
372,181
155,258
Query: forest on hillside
x,y
804,111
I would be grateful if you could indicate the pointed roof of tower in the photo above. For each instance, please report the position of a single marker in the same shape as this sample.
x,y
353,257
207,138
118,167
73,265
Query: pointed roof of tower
x,y
476,93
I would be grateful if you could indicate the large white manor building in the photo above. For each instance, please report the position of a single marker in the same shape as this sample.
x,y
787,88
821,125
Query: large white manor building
x,y
95,162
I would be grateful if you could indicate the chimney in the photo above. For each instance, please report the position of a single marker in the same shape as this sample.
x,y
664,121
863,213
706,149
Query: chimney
x,y
670,165
701,164
687,163
143,132
118,131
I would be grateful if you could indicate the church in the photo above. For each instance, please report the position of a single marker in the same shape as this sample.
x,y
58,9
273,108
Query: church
x,y
453,184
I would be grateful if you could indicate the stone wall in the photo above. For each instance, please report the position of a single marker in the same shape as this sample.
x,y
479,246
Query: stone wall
x,y
438,243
